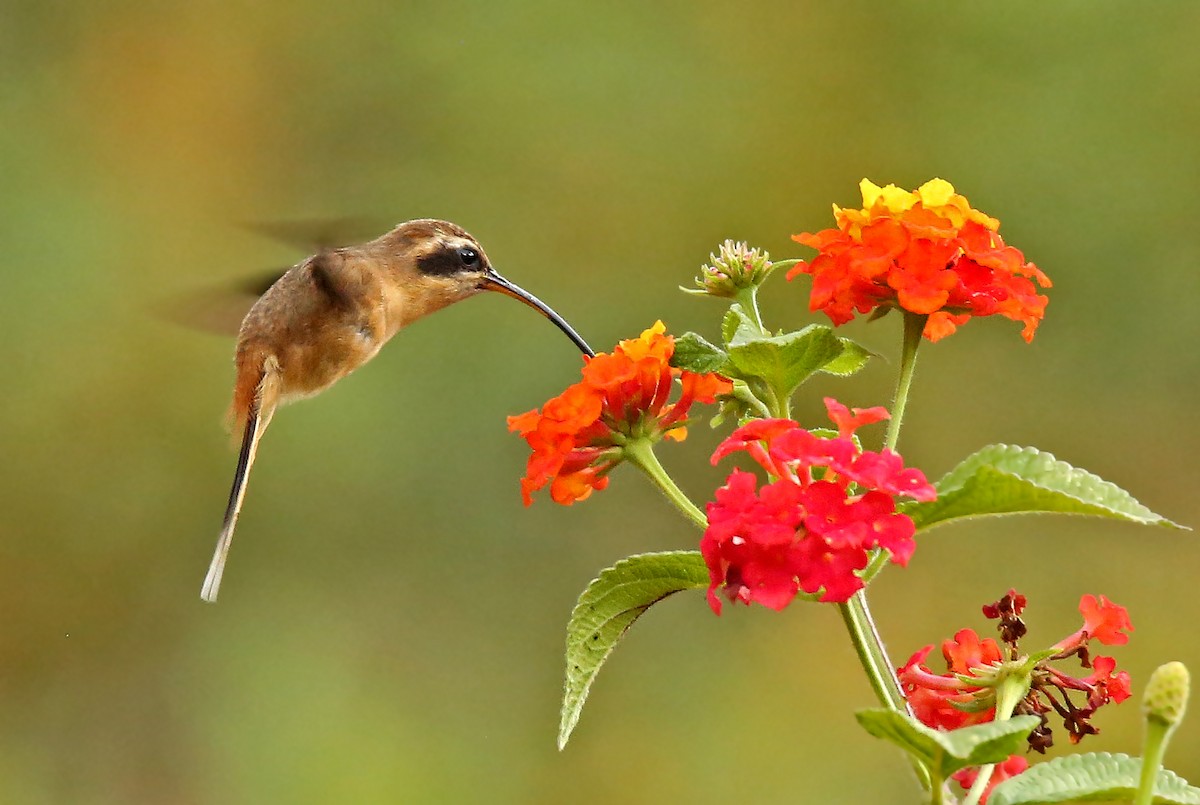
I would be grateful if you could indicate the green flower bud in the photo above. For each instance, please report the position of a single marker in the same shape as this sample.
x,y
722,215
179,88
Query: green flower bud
x,y
1165,699
735,268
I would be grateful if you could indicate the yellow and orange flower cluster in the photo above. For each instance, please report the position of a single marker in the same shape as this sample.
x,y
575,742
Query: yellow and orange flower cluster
x,y
925,251
579,436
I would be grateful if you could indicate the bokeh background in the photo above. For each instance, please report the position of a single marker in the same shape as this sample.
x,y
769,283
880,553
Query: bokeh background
x,y
392,621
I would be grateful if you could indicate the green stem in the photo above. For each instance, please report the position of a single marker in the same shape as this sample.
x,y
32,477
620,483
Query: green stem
x,y
778,405
856,613
748,299
1009,693
879,558
914,325
881,674
860,638
780,408
640,453
981,783
1153,749
861,612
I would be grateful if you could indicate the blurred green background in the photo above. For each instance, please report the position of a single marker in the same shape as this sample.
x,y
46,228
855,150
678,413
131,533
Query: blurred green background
x,y
392,621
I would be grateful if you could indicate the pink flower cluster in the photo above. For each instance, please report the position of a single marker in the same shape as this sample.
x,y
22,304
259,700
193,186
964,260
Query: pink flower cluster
x,y
811,528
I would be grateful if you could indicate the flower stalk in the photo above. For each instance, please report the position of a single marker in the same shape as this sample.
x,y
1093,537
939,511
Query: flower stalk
x,y
1163,707
1009,693
914,325
881,675
640,453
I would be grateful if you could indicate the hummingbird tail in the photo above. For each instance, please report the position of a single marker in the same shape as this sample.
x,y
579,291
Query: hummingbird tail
x,y
256,422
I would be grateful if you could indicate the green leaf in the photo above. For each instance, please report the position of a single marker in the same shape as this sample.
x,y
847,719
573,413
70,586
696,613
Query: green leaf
x,y
1095,777
944,753
1003,479
854,357
695,354
738,324
741,404
785,361
608,607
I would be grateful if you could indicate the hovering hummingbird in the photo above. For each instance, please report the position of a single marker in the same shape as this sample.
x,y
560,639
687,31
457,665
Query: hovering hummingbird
x,y
331,313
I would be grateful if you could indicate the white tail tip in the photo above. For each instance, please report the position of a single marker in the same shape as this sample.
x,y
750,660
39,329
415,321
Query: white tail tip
x,y
212,582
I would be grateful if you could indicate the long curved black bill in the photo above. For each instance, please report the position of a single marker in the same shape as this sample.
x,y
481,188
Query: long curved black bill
x,y
494,282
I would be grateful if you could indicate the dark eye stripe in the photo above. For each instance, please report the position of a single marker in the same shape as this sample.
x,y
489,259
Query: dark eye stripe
x,y
443,263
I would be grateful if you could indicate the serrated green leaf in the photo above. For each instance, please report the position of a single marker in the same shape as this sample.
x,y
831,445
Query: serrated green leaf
x,y
737,323
992,742
1004,479
784,361
1095,777
695,354
944,753
854,357
608,607
914,738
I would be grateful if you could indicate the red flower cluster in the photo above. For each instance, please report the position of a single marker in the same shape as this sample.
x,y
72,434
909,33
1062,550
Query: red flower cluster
x,y
951,700
940,701
578,437
927,252
811,528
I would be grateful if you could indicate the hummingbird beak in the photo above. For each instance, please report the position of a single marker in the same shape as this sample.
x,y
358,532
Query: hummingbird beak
x,y
494,282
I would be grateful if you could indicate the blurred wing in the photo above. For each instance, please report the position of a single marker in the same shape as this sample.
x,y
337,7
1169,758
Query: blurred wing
x,y
218,310
257,286
319,234
221,310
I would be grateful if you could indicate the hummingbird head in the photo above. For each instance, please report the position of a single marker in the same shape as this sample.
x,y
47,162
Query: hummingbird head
x,y
451,265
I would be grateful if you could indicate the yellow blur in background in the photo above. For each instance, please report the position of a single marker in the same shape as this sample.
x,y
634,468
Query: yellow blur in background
x,y
392,620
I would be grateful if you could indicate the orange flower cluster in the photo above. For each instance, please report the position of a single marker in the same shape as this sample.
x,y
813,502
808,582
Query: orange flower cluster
x,y
579,436
927,252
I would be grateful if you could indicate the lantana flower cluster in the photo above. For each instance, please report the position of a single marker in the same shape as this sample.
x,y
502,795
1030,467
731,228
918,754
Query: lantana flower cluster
x,y
827,517
965,694
927,252
580,435
814,526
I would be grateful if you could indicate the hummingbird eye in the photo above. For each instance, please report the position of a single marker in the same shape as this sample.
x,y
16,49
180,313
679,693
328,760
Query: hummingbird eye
x,y
446,260
468,256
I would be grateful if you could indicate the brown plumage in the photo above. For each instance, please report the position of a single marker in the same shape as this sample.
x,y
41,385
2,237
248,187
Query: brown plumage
x,y
332,313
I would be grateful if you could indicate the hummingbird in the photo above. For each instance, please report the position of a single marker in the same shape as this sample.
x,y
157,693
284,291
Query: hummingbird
x,y
331,313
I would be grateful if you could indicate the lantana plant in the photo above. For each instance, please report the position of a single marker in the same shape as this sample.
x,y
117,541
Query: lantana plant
x,y
823,514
